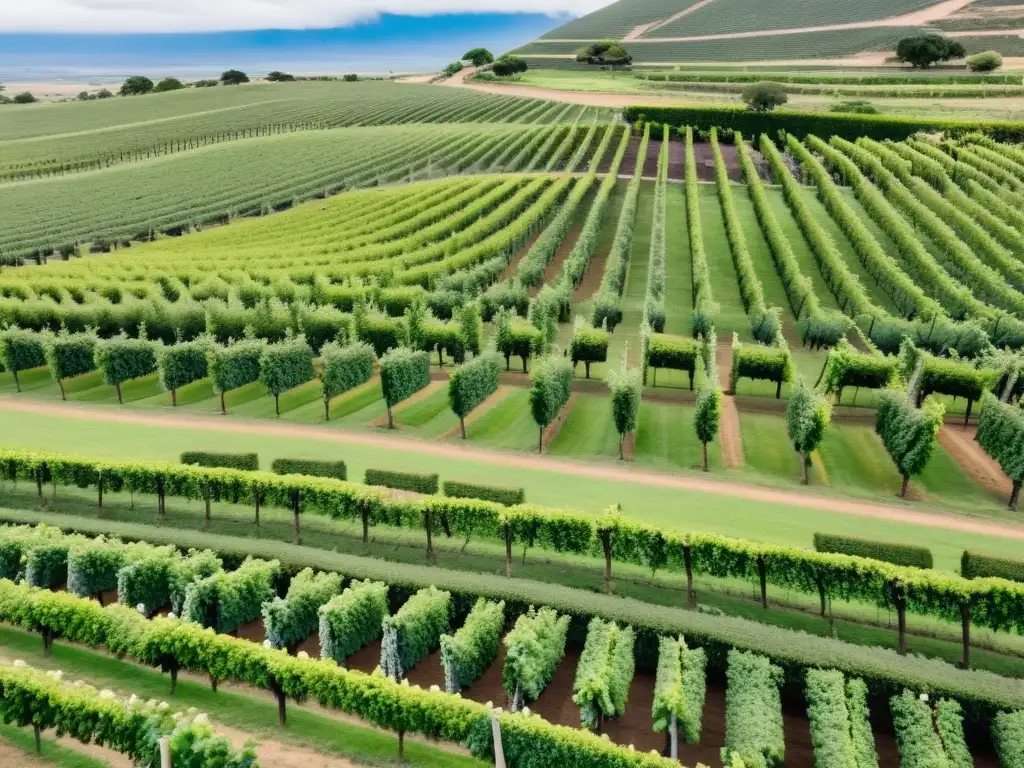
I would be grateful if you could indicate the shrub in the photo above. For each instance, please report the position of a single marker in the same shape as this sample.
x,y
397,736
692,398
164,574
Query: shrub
x,y
245,461
1008,734
25,97
280,77
405,481
205,83
414,631
707,417
607,53
807,417
69,355
122,359
908,433
285,365
136,85
855,107
552,385
679,689
829,720
472,383
985,61
345,367
403,372
182,364
677,353
862,735
507,65
756,361
21,351
753,712
949,723
467,654
899,554
919,743
1001,435
979,565
764,96
227,600
290,620
158,578
846,367
478,57
925,50
234,77
312,467
518,337
507,496
168,84
93,564
534,649
604,673
234,366
589,345
353,619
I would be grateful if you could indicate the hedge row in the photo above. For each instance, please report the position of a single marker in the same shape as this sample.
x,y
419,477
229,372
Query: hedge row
x,y
469,652
992,603
980,565
245,461
680,687
654,295
898,554
829,720
982,694
404,481
604,673
507,496
311,467
801,124
1001,435
174,644
760,362
753,713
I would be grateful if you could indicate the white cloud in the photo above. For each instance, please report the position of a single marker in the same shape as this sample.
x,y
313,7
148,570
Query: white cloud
x,y
215,15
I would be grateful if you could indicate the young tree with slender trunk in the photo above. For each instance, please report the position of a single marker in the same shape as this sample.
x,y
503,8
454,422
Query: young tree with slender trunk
x,y
552,385
807,416
626,389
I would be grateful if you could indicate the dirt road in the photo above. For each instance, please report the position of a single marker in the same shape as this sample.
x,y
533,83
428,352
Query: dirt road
x,y
796,499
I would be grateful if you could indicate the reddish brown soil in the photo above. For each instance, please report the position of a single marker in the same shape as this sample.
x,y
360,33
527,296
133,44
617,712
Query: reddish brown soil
x,y
730,434
629,160
366,659
108,598
254,631
961,445
310,645
676,160
651,161
551,430
428,672
488,687
631,474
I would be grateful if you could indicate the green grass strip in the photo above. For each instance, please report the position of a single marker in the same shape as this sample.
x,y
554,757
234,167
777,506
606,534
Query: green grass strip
x,y
54,753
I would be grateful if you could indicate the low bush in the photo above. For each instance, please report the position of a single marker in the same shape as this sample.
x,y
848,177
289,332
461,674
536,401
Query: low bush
x,y
753,712
1008,734
829,720
353,619
507,496
470,651
312,467
919,743
759,362
414,631
910,555
588,345
227,600
676,353
244,461
979,565
403,481
291,619
680,688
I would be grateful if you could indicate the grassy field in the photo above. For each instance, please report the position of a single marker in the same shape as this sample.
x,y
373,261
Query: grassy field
x,y
555,487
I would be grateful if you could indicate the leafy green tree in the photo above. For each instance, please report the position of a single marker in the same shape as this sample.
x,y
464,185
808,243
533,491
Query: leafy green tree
x,y
21,351
986,61
280,77
345,367
626,386
122,359
764,96
181,364
452,69
589,345
25,97
908,433
478,57
707,418
234,366
136,85
69,355
924,50
507,65
552,385
607,53
403,372
284,366
234,77
168,84
472,383
807,416
471,326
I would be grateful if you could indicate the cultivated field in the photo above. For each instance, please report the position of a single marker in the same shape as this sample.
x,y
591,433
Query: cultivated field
x,y
693,428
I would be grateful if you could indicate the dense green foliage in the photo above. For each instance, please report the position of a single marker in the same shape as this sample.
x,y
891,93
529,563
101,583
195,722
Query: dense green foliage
x,y
763,96
807,417
909,434
1008,734
406,481
753,712
470,651
69,355
846,367
122,359
284,366
1001,435
588,345
414,631
925,50
182,364
291,619
228,599
472,383
534,649
678,353
312,467
235,365
20,351
980,565
462,490
345,367
910,555
626,388
704,307
403,372
158,578
760,362
605,672
353,619
829,720
244,461
552,385
680,688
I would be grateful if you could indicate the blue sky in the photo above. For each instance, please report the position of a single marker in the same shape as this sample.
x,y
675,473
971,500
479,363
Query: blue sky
x,y
389,42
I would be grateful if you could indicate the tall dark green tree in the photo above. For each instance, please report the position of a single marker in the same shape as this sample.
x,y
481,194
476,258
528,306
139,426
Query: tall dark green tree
x,y
136,85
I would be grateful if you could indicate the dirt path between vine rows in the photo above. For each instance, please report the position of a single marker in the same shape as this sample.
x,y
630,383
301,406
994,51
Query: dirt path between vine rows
x,y
549,464
966,452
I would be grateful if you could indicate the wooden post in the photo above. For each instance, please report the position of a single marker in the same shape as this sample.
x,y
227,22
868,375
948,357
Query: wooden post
x,y
165,752
508,554
965,622
295,511
499,748
762,574
899,599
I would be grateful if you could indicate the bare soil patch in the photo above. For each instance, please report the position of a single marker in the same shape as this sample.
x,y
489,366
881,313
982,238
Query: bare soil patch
x,y
676,160
500,394
966,452
254,631
428,672
399,445
732,439
629,160
366,659
310,646
11,755
280,755
551,430
423,394
488,687
651,160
